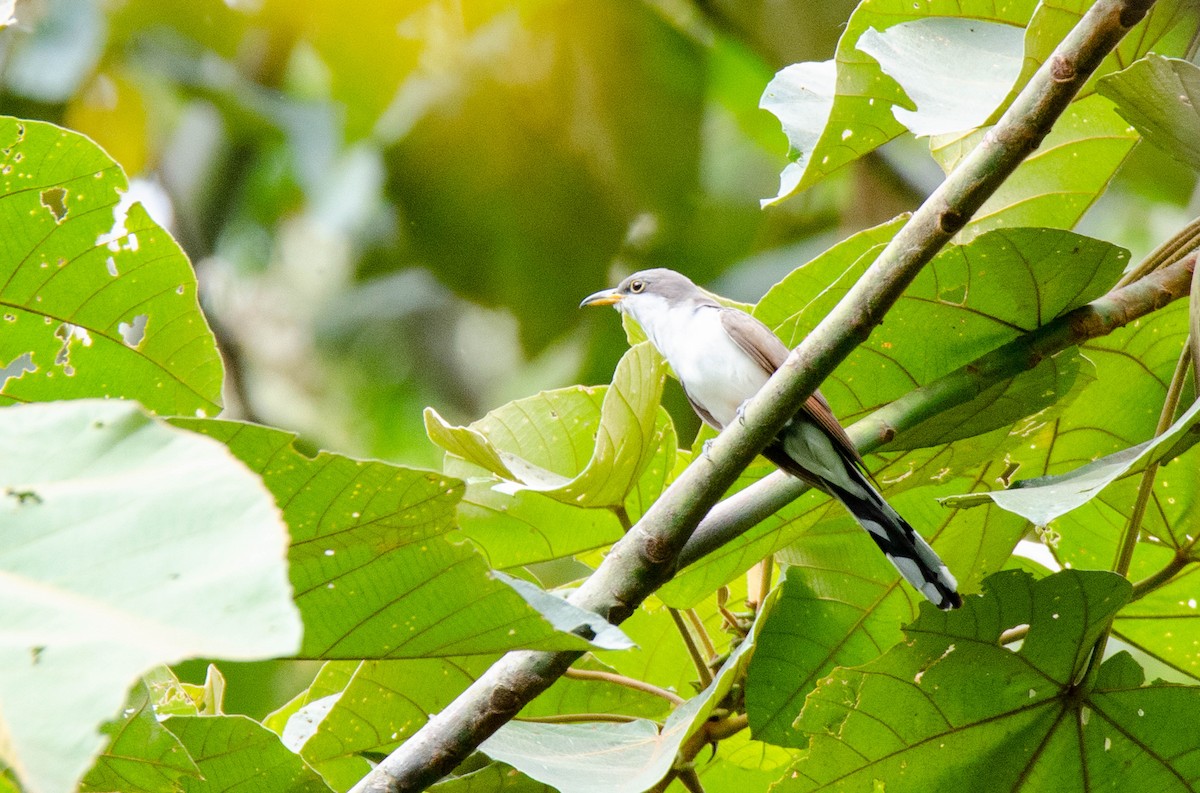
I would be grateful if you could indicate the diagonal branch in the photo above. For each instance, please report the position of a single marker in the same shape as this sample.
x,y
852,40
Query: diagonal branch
x,y
647,555
746,508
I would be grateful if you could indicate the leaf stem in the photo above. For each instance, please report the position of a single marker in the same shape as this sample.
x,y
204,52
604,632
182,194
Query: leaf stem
x,y
690,643
1152,582
627,682
702,633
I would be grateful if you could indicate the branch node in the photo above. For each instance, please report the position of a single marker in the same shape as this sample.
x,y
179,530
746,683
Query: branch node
x,y
1061,69
950,221
504,700
657,551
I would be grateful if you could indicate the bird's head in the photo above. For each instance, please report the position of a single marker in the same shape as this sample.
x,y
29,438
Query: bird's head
x,y
647,293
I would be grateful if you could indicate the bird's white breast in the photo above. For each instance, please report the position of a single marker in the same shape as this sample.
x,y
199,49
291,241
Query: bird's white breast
x,y
714,371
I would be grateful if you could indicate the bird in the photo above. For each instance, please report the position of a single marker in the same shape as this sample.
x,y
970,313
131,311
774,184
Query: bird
x,y
722,356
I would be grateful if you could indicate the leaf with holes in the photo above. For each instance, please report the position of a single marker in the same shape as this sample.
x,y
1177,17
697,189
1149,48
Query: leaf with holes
x,y
116,558
374,573
953,709
96,299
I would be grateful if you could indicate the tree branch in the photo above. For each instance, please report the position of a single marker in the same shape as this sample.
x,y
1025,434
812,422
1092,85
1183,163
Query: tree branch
x,y
647,555
745,509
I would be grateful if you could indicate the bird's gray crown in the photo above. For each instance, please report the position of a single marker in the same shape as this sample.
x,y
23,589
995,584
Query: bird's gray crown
x,y
668,284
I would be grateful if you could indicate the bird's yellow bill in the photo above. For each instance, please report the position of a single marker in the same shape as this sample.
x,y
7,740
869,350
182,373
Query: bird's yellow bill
x,y
605,298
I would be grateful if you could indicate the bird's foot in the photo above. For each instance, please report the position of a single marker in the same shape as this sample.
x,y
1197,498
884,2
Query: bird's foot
x,y
707,447
741,411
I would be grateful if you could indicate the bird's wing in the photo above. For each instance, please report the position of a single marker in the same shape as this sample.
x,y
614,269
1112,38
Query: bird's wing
x,y
760,343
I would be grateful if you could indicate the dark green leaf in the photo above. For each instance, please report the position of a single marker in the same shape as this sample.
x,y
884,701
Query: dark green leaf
x,y
955,709
142,755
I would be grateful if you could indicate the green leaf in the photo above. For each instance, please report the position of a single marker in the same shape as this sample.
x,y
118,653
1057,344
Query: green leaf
x,y
1043,499
372,706
818,622
971,299
954,709
1160,97
374,573
858,116
956,71
236,752
142,755
511,442
93,302
631,756
116,559
1048,189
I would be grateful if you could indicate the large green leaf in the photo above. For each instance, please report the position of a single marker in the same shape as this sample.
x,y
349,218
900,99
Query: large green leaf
x,y
115,559
94,302
1049,189
1161,98
238,753
954,709
374,573
512,444
970,299
858,113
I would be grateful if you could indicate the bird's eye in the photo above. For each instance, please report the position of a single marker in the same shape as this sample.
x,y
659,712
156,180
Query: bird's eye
x,y
637,286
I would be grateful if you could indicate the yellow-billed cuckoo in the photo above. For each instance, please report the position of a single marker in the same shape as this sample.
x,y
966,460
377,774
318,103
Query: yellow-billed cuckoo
x,y
722,357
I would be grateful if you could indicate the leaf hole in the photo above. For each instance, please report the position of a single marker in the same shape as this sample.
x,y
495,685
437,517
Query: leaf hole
x,y
55,199
134,333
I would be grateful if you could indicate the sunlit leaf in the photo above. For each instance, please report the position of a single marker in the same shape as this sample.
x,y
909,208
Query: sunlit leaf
x,y
1161,98
511,442
238,753
860,118
116,559
1048,189
94,301
374,573
938,712
956,71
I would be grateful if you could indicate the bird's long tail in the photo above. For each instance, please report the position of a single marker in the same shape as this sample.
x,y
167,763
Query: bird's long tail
x,y
907,550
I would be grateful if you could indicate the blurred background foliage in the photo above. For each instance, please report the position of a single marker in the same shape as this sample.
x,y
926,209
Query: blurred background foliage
x,y
397,204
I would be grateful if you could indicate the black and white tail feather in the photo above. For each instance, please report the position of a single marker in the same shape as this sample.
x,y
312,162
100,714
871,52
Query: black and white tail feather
x,y
912,556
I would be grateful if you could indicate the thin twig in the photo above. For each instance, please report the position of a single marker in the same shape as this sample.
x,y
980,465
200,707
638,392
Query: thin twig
x,y
627,682
702,633
697,660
